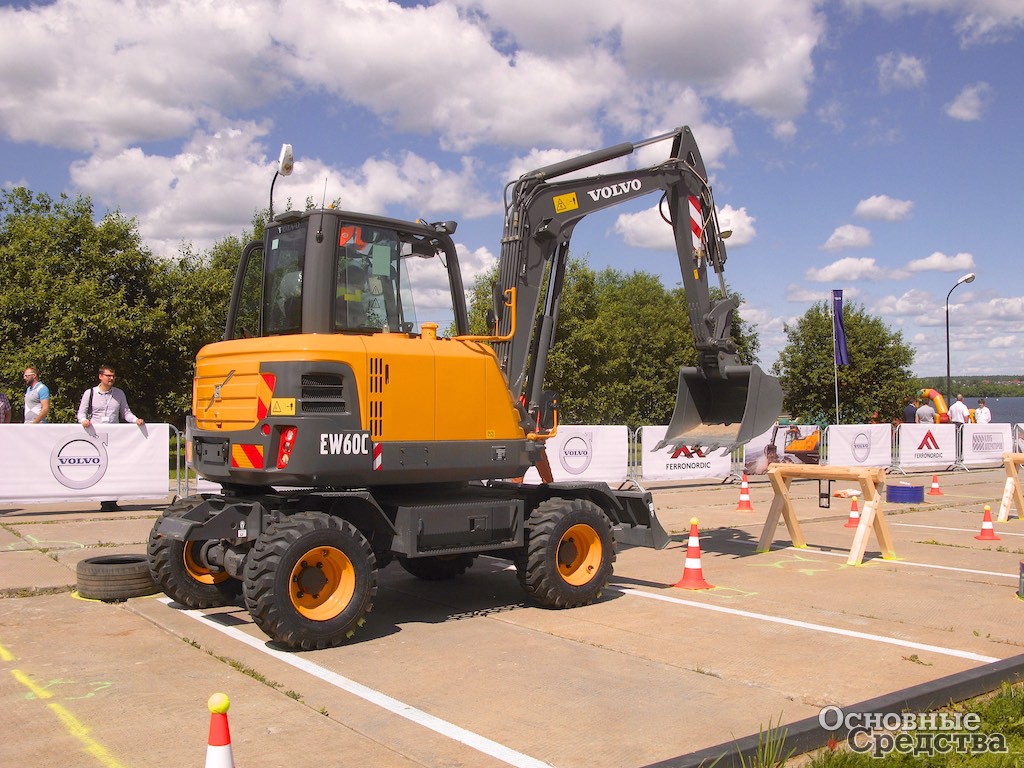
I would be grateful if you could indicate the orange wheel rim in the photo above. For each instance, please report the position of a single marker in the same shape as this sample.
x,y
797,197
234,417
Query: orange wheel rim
x,y
580,552
199,572
322,583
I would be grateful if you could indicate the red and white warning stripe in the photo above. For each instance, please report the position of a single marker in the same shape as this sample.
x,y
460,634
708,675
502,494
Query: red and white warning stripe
x,y
378,457
696,223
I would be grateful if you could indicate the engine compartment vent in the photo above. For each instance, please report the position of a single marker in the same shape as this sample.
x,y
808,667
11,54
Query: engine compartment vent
x,y
323,393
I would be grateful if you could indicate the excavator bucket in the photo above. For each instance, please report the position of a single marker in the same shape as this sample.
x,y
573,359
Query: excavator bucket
x,y
723,412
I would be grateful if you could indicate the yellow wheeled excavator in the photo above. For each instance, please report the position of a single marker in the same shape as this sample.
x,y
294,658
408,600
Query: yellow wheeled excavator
x,y
345,432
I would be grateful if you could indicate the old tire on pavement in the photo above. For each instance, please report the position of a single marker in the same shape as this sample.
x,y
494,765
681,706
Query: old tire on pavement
x,y
114,577
437,567
569,553
310,580
175,570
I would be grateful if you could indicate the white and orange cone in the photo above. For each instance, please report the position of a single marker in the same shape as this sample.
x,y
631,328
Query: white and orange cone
x,y
218,750
693,574
744,505
988,533
935,491
854,519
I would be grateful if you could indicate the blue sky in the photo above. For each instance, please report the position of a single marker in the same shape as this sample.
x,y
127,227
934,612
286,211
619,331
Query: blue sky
x,y
868,145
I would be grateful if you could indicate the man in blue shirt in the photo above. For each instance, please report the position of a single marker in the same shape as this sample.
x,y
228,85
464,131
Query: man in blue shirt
x,y
37,398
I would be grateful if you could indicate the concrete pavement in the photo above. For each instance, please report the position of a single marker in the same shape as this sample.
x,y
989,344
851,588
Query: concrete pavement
x,y
469,673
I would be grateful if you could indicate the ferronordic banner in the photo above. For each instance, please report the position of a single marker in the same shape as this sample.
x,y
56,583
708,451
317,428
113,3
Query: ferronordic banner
x,y
682,463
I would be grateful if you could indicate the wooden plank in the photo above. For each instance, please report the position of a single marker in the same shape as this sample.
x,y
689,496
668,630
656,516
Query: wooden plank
x,y
872,518
1011,492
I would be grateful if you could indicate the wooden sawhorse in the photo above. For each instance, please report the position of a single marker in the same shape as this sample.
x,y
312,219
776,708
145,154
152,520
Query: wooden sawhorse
x,y
1012,496
871,480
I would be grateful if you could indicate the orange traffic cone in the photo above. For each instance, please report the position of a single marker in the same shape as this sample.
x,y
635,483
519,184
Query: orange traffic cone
x,y
935,491
693,574
218,751
854,519
744,505
988,533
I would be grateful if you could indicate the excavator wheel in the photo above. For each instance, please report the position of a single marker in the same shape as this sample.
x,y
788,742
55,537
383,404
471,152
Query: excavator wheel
x,y
569,553
178,573
437,568
310,581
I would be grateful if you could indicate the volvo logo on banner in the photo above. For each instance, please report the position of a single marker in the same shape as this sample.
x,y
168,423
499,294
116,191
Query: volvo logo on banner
x,y
79,462
861,447
576,454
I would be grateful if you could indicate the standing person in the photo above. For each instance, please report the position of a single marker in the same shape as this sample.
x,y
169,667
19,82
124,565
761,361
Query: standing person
x,y
982,415
37,398
5,409
909,411
959,414
105,404
925,414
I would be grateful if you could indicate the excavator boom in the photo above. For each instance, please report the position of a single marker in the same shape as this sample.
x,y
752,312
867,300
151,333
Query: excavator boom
x,y
720,403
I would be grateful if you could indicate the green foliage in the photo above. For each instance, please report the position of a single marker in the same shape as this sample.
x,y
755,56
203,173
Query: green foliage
x,y
878,377
79,293
976,386
620,341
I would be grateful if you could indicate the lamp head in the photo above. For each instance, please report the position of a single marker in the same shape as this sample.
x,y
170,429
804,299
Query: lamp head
x,y
968,278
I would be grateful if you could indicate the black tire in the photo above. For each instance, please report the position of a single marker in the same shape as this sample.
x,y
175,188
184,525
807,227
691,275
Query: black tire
x,y
181,577
114,577
310,580
569,553
437,567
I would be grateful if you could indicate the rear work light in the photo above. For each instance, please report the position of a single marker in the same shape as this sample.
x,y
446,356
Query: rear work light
x,y
287,445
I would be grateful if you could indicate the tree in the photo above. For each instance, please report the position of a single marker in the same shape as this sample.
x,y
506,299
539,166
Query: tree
x,y
878,377
78,293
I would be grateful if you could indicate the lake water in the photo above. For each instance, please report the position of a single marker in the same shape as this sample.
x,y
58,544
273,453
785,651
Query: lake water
x,y
1005,410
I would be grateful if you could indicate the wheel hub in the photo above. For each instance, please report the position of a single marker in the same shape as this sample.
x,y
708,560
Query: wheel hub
x,y
322,583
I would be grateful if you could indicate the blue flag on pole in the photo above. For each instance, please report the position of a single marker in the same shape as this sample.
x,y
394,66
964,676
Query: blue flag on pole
x,y
842,354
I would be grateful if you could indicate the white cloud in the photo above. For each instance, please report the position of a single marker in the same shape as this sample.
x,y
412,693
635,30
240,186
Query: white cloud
x,y
1004,342
940,262
176,201
900,71
740,222
647,229
845,270
972,102
848,236
884,208
977,21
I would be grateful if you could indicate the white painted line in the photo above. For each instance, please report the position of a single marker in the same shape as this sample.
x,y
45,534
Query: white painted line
x,y
844,555
1013,576
807,625
942,528
418,716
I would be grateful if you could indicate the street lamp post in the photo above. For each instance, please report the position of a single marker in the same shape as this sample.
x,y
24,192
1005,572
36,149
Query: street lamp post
x,y
968,278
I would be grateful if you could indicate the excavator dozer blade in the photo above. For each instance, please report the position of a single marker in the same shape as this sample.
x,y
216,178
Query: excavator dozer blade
x,y
723,412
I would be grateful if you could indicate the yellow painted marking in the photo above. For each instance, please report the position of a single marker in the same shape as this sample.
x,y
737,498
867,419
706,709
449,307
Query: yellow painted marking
x,y
5,655
566,202
39,693
282,406
75,727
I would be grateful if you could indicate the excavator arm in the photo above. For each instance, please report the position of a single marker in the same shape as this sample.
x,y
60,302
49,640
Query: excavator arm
x,y
720,403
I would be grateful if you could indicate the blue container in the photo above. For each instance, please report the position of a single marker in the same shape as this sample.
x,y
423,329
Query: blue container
x,y
904,494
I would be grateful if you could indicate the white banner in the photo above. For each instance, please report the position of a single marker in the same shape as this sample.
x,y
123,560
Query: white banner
x,y
678,463
783,443
986,443
863,445
66,462
587,453
924,445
